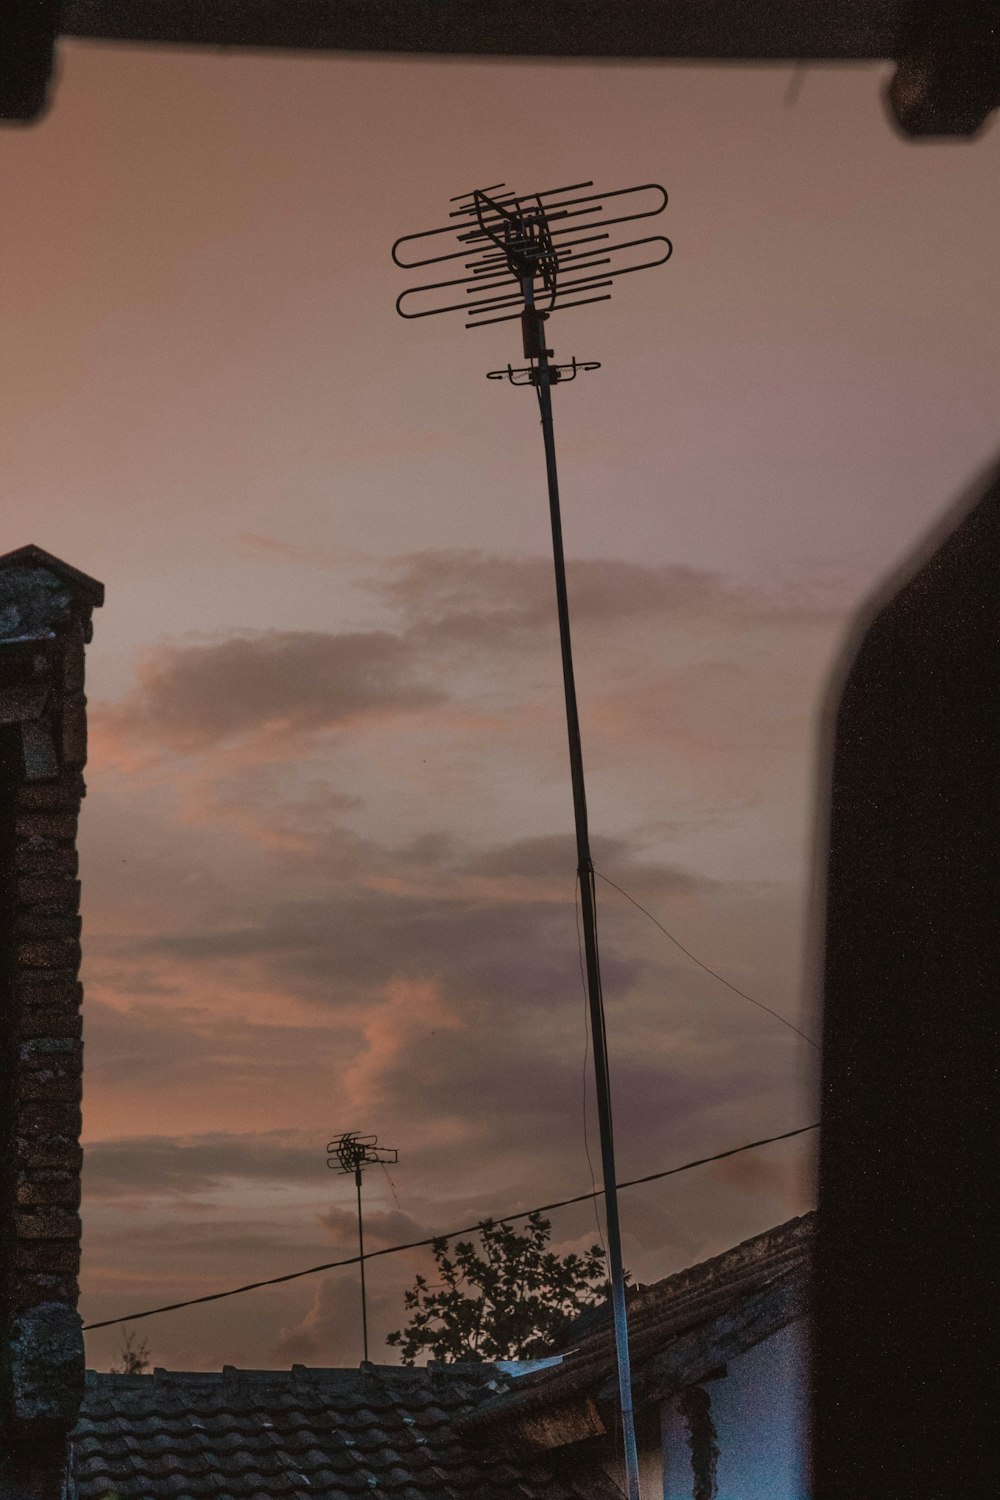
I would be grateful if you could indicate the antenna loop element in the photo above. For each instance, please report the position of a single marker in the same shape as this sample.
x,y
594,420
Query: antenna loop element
x,y
540,252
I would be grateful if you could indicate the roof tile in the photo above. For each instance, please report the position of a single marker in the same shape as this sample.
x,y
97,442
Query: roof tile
x,y
307,1434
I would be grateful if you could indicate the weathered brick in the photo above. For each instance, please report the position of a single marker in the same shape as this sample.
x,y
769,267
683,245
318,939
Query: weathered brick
x,y
47,1224
62,794
48,1174
32,860
74,732
31,923
73,664
38,752
60,1190
48,1152
45,825
44,1052
60,1084
49,1020
49,989
20,700
49,953
47,1256
32,1288
42,1117
48,891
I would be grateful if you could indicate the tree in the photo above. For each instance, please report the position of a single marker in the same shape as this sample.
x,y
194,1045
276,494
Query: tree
x,y
510,1297
134,1358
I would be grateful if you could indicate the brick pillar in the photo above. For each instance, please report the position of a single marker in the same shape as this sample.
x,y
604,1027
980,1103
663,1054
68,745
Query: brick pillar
x,y
45,609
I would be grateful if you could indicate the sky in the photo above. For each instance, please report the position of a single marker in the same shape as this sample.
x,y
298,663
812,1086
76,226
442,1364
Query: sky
x,y
326,851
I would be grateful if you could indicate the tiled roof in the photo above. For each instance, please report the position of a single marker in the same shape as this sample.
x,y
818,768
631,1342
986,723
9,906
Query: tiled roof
x,y
737,1297
305,1434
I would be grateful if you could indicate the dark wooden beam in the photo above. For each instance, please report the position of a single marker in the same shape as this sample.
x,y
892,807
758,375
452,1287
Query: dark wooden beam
x,y
947,81
28,30
691,1357
747,29
948,78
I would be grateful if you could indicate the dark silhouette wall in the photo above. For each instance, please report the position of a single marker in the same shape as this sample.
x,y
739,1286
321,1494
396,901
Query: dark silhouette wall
x,y
905,1311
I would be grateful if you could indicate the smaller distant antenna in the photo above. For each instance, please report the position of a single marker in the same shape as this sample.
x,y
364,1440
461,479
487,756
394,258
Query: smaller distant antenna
x,y
352,1152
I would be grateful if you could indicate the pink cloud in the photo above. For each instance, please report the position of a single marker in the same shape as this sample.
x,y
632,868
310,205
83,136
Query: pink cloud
x,y
266,684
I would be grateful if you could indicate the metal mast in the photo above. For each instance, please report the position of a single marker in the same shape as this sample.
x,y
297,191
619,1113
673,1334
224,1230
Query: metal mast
x,y
525,257
352,1152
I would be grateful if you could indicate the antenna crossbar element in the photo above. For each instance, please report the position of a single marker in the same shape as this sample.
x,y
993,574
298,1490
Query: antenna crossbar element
x,y
529,374
352,1151
583,269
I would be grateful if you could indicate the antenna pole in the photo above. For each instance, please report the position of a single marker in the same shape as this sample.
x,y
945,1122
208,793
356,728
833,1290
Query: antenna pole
x,y
361,1265
543,381
505,243
352,1152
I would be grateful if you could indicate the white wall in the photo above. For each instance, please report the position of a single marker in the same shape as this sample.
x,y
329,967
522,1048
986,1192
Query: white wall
x,y
760,1409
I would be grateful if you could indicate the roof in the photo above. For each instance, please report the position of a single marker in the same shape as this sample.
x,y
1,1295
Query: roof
x,y
37,557
681,1330
330,1434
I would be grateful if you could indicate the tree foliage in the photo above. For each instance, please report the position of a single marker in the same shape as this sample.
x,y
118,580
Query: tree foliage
x,y
509,1297
133,1358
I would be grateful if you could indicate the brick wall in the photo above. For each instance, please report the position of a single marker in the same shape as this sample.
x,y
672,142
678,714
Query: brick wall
x,y
45,609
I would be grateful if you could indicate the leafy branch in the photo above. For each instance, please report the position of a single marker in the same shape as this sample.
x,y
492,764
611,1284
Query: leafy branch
x,y
507,1297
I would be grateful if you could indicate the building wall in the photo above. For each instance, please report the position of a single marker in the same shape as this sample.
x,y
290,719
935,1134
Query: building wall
x,y
760,1413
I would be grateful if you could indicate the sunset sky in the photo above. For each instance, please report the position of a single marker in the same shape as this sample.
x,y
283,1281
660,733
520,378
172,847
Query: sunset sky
x,y
327,850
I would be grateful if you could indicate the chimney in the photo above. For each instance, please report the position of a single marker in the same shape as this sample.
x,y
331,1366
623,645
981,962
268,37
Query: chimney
x,y
45,609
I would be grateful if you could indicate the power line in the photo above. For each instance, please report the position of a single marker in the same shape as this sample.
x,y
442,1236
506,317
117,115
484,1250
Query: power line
x,y
352,1260
715,975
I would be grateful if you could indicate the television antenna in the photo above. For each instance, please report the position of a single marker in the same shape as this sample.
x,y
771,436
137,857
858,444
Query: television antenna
x,y
352,1152
525,258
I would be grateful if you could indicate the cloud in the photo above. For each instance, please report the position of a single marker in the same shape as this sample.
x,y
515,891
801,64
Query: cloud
x,y
785,1175
193,697
330,1331
474,599
303,930
271,548
277,812
553,857
706,670
181,1059
381,1228
160,1165
409,1011
483,952
432,985
545,855
385,965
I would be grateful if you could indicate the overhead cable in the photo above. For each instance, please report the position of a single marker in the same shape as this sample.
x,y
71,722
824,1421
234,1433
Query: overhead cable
x,y
714,973
352,1260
